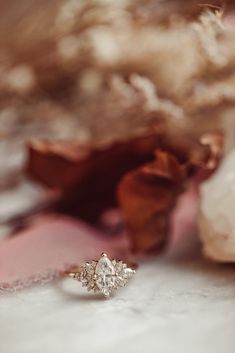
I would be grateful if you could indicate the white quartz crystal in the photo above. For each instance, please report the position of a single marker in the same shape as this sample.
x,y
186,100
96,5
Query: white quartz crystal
x,y
217,213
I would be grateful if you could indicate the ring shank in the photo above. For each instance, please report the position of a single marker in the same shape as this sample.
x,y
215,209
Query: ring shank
x,y
73,271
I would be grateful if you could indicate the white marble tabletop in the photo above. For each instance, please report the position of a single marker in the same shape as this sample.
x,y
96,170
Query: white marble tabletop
x,y
176,303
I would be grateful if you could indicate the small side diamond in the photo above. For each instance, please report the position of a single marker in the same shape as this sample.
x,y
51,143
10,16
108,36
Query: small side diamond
x,y
86,276
123,274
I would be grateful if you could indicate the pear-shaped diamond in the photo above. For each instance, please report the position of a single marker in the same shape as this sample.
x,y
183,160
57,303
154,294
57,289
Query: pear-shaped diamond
x,y
105,275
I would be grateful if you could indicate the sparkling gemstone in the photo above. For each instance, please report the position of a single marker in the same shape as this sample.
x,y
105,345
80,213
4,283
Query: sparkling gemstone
x,y
123,274
105,275
87,275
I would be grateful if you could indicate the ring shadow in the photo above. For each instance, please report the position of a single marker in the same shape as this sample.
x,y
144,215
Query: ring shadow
x,y
71,295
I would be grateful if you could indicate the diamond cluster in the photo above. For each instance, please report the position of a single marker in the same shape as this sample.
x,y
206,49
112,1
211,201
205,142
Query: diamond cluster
x,y
104,275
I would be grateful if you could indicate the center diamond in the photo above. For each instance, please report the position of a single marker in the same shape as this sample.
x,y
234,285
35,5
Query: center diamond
x,y
105,275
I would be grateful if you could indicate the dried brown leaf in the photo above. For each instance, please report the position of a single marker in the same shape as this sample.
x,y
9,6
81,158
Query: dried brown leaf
x,y
147,195
129,173
87,175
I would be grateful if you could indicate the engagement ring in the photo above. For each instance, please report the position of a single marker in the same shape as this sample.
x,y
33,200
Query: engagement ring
x,y
104,275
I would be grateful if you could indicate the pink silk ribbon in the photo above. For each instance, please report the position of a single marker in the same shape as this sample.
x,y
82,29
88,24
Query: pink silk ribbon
x,y
54,243
49,247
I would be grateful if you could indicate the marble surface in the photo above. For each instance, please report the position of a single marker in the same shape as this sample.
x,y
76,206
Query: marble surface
x,y
176,303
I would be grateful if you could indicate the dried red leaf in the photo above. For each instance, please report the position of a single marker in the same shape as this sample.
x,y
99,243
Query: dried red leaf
x,y
148,186
147,195
88,176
